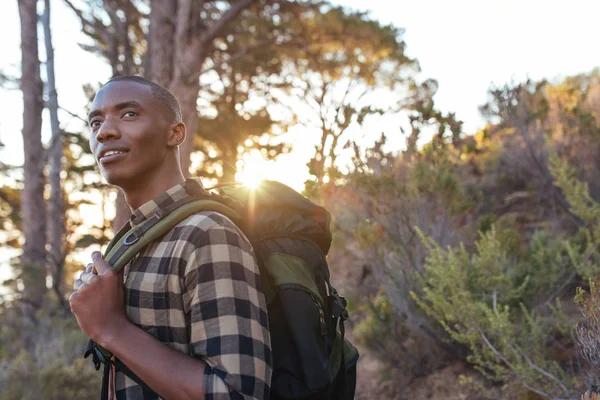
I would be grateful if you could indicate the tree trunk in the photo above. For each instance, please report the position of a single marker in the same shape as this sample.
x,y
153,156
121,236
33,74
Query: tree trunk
x,y
161,49
56,220
32,200
229,158
188,98
179,43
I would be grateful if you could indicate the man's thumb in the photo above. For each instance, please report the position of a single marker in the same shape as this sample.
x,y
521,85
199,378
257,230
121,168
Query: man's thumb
x,y
96,255
100,264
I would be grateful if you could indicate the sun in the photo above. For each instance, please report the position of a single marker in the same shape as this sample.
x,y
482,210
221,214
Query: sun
x,y
255,169
251,182
288,169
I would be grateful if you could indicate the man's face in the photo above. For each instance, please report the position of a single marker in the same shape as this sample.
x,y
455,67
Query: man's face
x,y
129,133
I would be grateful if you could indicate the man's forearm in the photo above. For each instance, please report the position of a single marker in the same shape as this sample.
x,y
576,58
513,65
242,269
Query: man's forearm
x,y
171,374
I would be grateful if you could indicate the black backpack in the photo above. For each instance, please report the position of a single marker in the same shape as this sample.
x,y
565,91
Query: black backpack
x,y
312,359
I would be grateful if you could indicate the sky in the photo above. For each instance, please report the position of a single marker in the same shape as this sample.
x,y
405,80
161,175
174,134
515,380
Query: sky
x,y
466,45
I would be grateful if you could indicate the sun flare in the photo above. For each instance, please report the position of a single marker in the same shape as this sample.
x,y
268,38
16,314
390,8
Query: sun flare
x,y
254,169
289,169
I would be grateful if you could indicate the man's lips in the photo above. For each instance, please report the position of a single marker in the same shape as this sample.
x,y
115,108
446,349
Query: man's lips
x,y
112,156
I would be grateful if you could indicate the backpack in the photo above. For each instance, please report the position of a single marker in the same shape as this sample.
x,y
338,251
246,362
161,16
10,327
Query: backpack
x,y
312,358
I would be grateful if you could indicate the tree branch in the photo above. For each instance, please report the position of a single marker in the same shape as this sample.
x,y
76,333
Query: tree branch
x,y
73,115
341,106
231,59
565,283
77,11
94,29
504,360
532,389
228,15
540,370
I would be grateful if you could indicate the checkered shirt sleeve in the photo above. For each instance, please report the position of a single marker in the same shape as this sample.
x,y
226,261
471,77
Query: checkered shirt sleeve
x,y
222,294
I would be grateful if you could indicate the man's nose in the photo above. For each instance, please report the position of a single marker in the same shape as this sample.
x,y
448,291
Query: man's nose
x,y
108,130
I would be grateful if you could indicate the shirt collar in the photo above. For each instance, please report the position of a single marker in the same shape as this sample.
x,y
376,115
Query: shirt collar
x,y
163,200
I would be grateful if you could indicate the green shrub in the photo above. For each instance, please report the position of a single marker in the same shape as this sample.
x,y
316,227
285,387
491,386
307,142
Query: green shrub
x,y
43,359
78,380
480,300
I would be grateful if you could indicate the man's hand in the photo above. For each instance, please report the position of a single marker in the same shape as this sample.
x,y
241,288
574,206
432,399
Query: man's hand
x,y
98,303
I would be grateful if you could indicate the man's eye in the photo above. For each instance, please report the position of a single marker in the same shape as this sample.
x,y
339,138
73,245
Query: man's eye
x,y
129,114
95,123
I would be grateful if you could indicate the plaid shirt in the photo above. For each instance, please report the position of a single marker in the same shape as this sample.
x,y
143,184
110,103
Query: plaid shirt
x,y
198,290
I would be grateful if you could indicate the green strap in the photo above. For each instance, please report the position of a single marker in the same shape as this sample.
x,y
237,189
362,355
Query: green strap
x,y
129,245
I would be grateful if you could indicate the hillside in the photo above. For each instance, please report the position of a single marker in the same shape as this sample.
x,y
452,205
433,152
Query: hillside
x,y
462,261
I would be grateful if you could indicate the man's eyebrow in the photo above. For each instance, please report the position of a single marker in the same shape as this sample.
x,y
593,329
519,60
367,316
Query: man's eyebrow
x,y
118,107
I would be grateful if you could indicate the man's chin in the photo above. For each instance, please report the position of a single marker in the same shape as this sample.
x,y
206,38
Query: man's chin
x,y
115,178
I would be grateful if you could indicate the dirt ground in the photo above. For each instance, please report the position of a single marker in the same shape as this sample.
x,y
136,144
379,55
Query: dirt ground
x,y
374,381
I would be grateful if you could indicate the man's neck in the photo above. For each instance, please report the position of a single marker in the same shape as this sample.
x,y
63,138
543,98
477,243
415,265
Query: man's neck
x,y
143,191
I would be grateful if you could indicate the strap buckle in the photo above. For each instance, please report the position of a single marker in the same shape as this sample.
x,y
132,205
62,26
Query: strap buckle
x,y
132,238
97,356
338,306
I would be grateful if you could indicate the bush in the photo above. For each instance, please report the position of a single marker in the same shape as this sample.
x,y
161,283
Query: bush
x,y
480,300
43,358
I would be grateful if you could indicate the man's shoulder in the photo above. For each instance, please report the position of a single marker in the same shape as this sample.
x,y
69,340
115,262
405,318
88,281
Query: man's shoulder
x,y
206,220
197,226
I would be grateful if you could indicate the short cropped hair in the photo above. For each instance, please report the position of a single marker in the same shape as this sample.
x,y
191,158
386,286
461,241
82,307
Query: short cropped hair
x,y
160,93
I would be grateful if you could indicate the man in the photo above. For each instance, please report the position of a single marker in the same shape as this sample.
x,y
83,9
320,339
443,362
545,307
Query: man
x,y
188,315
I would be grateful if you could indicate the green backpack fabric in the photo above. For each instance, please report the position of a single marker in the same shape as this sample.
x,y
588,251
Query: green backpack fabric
x,y
312,358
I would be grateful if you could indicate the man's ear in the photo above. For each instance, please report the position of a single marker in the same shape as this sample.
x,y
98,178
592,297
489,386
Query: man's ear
x,y
176,135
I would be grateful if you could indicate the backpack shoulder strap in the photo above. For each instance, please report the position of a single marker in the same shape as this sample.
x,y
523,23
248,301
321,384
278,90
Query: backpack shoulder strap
x,y
124,247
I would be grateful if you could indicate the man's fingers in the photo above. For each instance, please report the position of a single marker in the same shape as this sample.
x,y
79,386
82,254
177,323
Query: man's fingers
x,y
84,280
87,277
78,283
90,269
71,298
101,266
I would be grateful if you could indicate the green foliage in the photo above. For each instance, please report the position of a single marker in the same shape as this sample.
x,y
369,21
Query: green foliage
x,y
43,357
480,300
576,193
61,380
547,266
378,323
368,233
23,379
583,248
19,379
10,205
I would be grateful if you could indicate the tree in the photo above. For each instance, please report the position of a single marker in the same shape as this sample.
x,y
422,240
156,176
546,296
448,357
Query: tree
x,y
532,118
236,94
423,114
56,220
344,63
33,215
